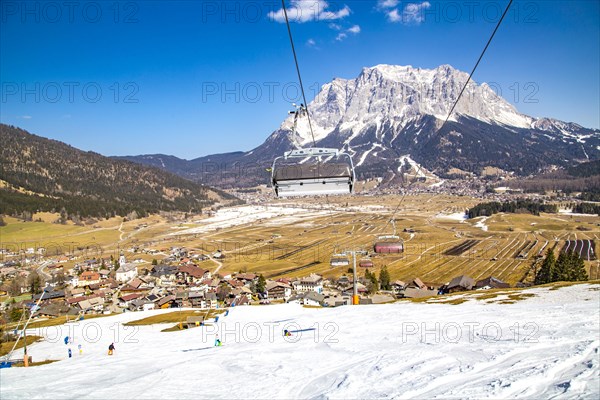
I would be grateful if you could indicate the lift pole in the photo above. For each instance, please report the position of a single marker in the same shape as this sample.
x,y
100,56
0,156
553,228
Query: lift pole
x,y
354,252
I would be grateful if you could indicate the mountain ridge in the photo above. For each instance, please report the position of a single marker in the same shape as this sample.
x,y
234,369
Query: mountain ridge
x,y
40,174
388,112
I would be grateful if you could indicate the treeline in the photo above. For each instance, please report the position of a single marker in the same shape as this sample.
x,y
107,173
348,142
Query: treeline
x,y
518,206
584,170
584,177
568,267
47,175
23,206
586,208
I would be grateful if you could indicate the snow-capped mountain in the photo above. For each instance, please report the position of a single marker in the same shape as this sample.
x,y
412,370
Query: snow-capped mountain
x,y
389,112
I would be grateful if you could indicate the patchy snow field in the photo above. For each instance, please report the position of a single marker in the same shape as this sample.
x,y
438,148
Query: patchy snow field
x,y
461,217
544,346
234,216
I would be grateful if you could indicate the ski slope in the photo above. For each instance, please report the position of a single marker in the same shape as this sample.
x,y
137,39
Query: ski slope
x,y
541,347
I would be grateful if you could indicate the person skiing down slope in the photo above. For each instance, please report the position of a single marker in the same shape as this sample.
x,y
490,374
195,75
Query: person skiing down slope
x,y
111,349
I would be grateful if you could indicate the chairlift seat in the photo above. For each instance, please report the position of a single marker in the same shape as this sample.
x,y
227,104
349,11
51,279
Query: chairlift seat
x,y
339,262
389,247
313,178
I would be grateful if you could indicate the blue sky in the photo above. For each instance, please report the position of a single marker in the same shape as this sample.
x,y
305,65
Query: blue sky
x,y
192,78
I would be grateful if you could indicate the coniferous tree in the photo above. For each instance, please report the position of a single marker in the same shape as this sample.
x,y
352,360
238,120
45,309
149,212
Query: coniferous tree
x,y
261,285
546,272
384,279
372,283
63,216
577,270
561,271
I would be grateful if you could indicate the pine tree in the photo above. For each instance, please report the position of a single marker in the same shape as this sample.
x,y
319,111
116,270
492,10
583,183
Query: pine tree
x,y
561,271
577,270
261,285
63,216
546,272
384,279
372,283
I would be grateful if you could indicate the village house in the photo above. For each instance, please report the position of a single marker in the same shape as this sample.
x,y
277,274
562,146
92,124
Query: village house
x,y
141,305
416,289
194,321
278,291
165,275
88,278
490,283
55,310
460,284
77,292
165,302
311,283
309,298
189,274
92,304
211,299
125,300
337,300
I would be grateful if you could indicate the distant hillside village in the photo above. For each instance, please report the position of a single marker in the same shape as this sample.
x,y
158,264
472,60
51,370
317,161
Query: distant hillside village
x,y
102,286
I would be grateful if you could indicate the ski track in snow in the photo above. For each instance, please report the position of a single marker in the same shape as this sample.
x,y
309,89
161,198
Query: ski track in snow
x,y
554,352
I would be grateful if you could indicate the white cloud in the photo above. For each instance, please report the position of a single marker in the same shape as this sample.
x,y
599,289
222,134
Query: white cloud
x,y
387,3
354,29
412,14
309,10
394,15
25,116
311,42
341,37
335,27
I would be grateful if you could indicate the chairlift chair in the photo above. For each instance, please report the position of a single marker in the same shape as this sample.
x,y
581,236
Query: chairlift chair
x,y
366,263
339,260
389,244
312,171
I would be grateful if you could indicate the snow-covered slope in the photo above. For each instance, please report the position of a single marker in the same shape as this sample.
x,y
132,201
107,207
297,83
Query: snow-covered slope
x,y
540,347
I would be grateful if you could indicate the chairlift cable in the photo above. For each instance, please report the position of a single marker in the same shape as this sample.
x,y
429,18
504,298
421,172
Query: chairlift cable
x,y
289,29
477,64
454,105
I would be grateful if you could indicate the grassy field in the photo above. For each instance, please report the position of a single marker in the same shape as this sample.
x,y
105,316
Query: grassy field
x,y
174,317
7,346
295,247
61,320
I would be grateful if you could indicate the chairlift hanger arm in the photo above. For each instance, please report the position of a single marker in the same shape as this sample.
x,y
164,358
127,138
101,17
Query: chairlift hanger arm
x,y
312,152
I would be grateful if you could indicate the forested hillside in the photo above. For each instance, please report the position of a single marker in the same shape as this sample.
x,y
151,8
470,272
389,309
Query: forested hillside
x,y
39,174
